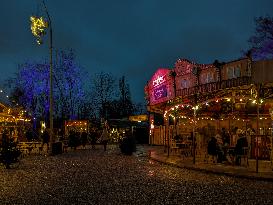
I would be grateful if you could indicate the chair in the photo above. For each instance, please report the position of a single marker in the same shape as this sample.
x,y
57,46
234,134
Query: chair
x,y
174,146
65,145
186,150
210,158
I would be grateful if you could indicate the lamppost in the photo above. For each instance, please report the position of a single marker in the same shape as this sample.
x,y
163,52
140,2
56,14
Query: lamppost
x,y
195,108
38,26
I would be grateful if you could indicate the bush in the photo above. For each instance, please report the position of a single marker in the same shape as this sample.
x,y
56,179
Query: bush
x,y
128,145
9,154
74,140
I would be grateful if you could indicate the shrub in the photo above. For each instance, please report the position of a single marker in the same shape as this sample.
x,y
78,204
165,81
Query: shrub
x,y
128,145
9,154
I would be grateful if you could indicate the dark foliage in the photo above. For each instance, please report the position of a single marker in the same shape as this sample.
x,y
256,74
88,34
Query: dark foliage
x,y
9,153
128,145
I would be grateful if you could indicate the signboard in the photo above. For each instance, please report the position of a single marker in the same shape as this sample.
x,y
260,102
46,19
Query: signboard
x,y
160,92
159,80
138,118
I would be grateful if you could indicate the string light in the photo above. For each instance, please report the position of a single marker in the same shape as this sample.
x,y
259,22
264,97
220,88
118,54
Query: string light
x,y
38,26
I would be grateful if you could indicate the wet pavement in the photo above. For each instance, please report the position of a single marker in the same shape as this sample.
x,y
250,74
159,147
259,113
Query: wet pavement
x,y
265,172
98,177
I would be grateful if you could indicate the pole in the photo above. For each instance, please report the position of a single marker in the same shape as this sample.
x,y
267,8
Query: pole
x,y
168,133
50,79
257,132
193,134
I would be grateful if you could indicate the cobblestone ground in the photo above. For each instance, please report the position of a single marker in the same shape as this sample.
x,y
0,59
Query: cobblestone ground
x,y
98,177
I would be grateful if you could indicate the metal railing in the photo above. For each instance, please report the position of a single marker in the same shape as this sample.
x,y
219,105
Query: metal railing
x,y
214,86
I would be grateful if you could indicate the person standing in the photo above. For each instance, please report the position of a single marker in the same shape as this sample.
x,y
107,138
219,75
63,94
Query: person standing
x,y
239,149
93,136
84,137
45,138
104,137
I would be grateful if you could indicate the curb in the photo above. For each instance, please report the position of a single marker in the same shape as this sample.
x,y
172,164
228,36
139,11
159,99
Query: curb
x,y
235,175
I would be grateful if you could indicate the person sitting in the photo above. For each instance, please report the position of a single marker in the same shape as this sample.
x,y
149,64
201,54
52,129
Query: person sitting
x,y
239,148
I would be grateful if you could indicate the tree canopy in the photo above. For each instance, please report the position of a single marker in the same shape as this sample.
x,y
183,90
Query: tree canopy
x,y
31,87
261,42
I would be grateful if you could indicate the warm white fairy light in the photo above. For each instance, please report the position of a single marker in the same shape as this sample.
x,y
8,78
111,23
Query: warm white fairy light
x,y
38,26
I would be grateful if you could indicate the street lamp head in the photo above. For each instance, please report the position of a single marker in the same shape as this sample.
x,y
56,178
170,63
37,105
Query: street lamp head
x,y
38,26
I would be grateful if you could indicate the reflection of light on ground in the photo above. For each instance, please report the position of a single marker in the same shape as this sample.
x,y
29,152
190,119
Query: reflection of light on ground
x,y
151,162
151,173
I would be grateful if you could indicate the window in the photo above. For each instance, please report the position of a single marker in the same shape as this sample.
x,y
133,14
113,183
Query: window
x,y
209,78
184,84
237,72
230,72
233,72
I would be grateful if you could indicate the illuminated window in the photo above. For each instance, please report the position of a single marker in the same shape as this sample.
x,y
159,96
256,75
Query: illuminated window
x,y
184,84
237,72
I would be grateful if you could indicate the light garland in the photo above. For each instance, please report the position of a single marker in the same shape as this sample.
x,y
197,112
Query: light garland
x,y
207,103
38,26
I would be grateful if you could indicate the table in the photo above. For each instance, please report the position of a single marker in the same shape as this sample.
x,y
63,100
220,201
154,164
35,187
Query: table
x,y
29,147
185,148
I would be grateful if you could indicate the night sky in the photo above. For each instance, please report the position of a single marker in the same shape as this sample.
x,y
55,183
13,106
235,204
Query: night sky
x,y
131,38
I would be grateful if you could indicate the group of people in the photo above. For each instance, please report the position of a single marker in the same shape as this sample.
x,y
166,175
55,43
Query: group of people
x,y
95,136
222,147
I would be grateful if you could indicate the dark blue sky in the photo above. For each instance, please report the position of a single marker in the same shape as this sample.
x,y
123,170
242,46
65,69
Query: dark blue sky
x,y
131,38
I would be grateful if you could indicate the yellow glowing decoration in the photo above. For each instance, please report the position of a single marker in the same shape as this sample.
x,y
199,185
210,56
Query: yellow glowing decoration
x,y
38,26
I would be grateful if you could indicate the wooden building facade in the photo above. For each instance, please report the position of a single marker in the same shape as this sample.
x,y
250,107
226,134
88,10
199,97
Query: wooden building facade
x,y
204,98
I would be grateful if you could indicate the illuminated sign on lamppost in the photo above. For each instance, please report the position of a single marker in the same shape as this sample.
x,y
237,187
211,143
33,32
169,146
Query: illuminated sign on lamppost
x,y
38,26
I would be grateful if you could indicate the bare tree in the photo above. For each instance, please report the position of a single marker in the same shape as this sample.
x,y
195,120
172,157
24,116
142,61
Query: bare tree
x,y
262,41
104,91
125,98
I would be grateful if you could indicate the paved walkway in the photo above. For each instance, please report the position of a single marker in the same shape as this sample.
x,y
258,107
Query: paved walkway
x,y
157,153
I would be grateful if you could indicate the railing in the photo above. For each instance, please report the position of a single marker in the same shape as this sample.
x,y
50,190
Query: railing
x,y
215,86
262,148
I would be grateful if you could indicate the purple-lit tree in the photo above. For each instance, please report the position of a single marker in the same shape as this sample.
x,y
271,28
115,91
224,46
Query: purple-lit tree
x,y
31,87
69,77
262,41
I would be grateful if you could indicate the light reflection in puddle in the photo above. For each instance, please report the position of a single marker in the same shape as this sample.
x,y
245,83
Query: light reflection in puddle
x,y
151,162
151,173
